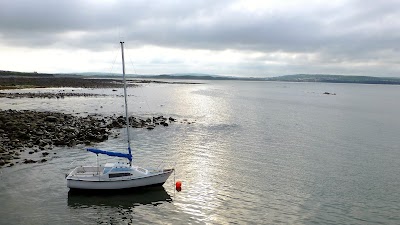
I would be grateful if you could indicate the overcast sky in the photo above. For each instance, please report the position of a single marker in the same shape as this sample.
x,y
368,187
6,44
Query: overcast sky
x,y
239,38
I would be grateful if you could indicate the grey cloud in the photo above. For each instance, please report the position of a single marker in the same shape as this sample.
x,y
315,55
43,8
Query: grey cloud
x,y
203,25
356,31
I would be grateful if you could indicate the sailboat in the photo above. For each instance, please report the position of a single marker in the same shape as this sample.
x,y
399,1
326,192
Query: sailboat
x,y
118,175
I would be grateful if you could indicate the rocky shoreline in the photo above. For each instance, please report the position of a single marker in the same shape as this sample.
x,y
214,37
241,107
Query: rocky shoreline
x,y
21,82
10,82
48,95
39,132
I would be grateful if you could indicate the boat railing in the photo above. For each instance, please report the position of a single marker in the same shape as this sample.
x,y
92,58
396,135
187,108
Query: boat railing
x,y
160,166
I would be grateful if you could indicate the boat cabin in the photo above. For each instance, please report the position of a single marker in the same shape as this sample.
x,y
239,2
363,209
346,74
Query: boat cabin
x,y
121,170
117,170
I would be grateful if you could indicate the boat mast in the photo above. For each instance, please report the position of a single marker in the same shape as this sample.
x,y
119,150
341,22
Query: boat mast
x,y
126,102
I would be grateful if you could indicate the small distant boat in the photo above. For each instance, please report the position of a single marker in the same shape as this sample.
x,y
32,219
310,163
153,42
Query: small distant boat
x,y
114,176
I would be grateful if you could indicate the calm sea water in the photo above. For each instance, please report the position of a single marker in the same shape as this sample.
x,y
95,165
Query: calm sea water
x,y
257,153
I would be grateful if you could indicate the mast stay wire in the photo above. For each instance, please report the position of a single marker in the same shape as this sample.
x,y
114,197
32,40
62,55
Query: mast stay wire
x,y
115,59
140,86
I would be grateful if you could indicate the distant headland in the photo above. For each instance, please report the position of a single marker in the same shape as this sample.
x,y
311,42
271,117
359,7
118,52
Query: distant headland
x,y
324,78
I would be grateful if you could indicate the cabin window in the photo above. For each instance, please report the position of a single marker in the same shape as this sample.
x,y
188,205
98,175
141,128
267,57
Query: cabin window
x,y
112,175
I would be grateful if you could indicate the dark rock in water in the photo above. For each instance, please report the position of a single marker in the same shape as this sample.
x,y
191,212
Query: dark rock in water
x,y
150,128
45,153
171,119
42,143
28,161
43,160
31,152
2,162
71,143
6,157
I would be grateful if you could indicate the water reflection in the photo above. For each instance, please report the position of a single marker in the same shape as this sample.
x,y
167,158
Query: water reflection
x,y
120,199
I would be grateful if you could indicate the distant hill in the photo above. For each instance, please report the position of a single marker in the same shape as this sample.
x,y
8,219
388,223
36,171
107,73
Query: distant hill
x,y
287,78
24,74
196,76
325,78
336,79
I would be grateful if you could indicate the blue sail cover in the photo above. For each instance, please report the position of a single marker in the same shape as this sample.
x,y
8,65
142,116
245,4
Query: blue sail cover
x,y
117,154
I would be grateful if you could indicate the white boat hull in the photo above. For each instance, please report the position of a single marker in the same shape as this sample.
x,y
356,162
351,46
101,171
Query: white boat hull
x,y
96,182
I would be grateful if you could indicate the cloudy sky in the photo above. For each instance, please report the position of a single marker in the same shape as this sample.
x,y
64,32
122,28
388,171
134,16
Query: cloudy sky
x,y
239,38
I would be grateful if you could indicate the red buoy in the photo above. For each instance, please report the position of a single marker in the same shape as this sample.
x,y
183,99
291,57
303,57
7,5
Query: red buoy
x,y
178,185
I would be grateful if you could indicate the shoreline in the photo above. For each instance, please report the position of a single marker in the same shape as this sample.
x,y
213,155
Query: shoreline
x,y
23,82
27,136
38,133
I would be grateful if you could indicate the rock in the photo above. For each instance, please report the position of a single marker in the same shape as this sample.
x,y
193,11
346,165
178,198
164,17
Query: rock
x,y
51,119
71,143
43,160
2,162
69,129
45,153
42,143
28,161
6,157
